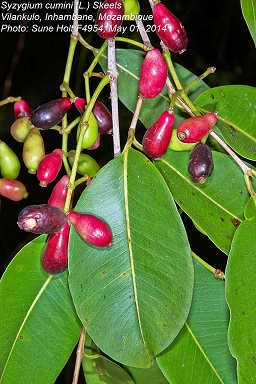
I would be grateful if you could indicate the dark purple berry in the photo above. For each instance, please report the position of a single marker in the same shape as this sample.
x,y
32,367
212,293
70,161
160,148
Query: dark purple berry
x,y
200,164
42,218
103,117
51,113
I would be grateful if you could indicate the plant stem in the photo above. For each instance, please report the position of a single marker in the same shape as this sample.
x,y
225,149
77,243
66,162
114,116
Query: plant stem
x,y
131,131
143,32
112,71
133,42
75,22
84,125
9,99
79,356
207,266
199,78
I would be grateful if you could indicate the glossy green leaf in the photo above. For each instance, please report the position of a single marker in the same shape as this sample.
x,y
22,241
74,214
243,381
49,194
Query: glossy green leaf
x,y
217,206
134,297
101,370
129,63
38,322
250,208
241,298
152,375
200,353
236,123
249,13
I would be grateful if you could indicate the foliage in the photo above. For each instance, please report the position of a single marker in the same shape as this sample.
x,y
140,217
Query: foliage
x,y
146,308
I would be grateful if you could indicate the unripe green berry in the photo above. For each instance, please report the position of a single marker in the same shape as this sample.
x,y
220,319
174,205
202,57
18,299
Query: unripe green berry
x,y
20,129
131,9
33,150
91,133
86,164
9,162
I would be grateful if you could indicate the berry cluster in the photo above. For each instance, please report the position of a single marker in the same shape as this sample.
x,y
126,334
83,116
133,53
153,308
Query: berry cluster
x,y
56,217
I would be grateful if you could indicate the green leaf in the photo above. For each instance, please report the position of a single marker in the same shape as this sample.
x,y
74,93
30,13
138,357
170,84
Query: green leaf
x,y
250,208
101,370
128,63
235,105
249,13
217,206
134,297
241,298
200,353
152,375
38,322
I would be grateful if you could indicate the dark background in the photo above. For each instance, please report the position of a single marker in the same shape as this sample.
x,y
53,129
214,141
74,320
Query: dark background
x,y
32,66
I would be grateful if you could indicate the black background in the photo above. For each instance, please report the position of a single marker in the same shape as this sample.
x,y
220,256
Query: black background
x,y
218,36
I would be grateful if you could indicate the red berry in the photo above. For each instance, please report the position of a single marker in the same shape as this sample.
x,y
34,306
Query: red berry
x,y
195,128
49,167
92,229
109,18
42,218
13,189
103,117
21,109
80,104
59,193
157,138
200,164
169,29
50,114
55,255
153,74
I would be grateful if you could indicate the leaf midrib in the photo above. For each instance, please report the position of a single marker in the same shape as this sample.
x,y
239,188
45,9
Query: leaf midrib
x,y
127,218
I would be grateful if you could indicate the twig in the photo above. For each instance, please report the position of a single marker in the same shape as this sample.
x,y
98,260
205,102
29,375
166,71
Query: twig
x,y
75,22
113,74
143,32
79,356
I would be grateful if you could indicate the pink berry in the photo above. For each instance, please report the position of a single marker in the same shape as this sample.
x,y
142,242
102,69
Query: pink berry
x,y
92,229
50,114
157,138
49,167
109,18
195,128
42,218
169,29
95,145
21,109
55,255
59,193
80,104
153,74
13,189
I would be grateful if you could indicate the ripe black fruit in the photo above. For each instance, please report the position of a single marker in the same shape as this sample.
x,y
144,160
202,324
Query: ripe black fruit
x,y
200,164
